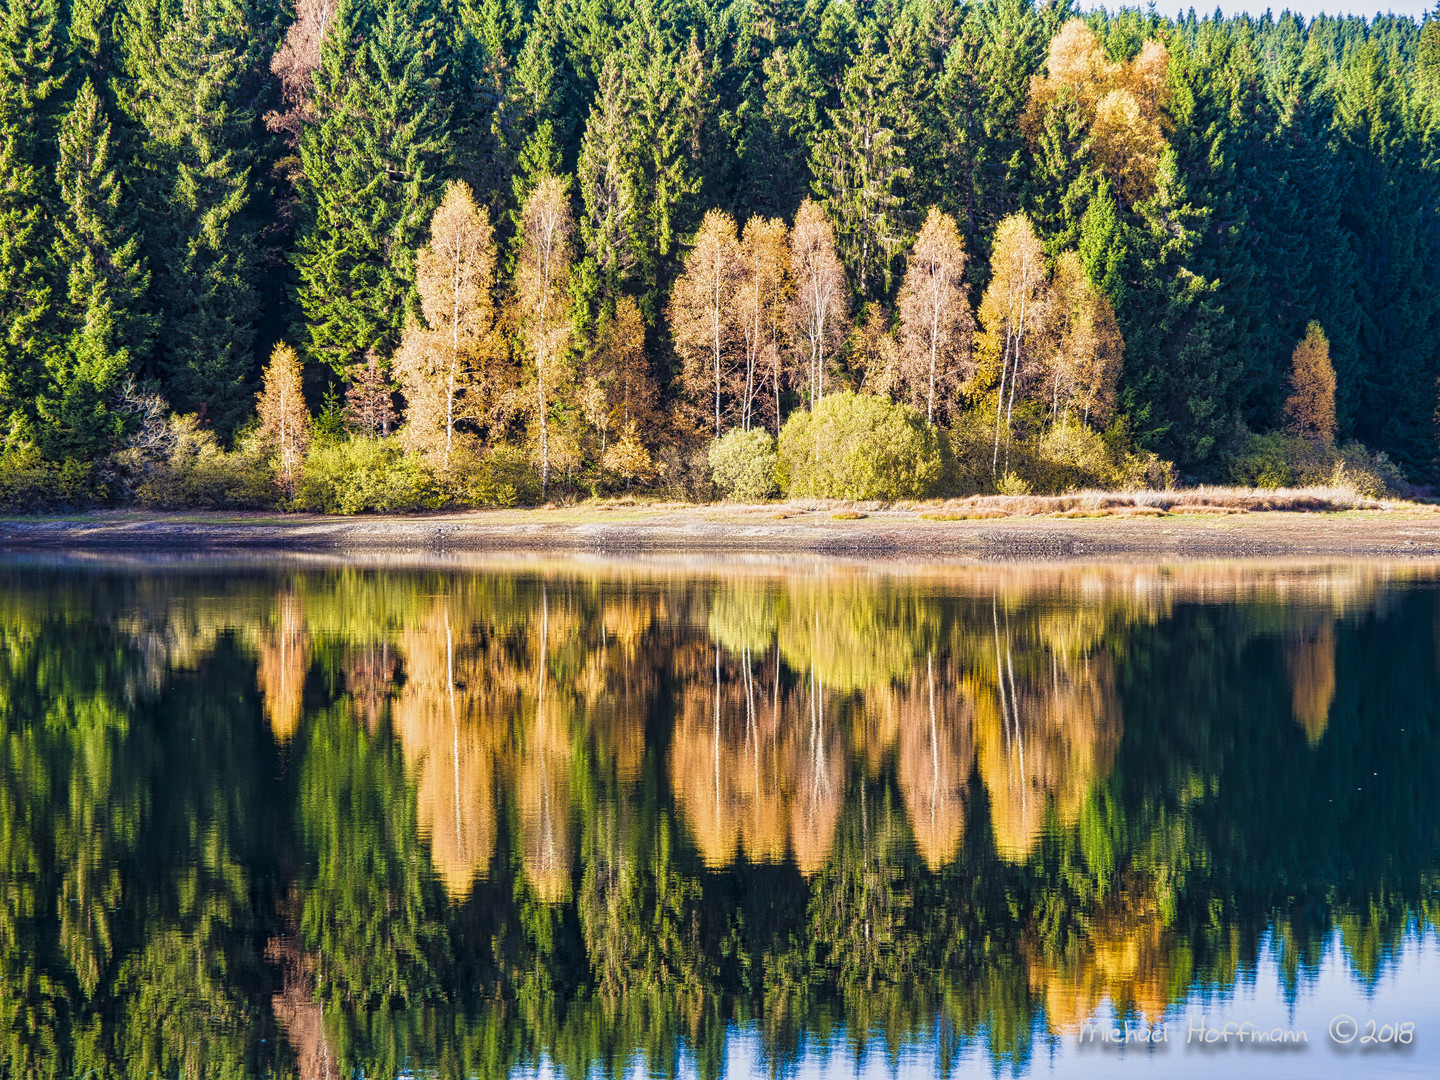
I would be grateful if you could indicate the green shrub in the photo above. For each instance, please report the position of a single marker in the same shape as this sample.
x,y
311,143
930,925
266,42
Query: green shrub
x,y
29,482
191,470
360,475
1278,460
859,446
742,465
501,476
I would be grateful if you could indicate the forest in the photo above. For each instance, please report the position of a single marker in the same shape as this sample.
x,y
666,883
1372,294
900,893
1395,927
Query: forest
x,y
395,254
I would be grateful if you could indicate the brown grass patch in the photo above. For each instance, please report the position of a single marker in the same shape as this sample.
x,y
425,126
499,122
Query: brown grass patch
x,y
848,515
979,515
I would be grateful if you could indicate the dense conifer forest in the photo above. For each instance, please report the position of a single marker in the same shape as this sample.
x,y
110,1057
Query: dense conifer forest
x,y
472,250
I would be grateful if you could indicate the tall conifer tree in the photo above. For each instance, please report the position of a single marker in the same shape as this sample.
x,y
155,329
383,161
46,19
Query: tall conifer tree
x,y
109,328
371,165
30,76
194,179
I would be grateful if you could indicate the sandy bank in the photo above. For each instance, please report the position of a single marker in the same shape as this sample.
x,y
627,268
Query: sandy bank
x,y
1411,532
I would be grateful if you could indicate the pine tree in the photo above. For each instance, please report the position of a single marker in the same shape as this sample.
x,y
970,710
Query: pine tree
x,y
1310,408
29,79
109,330
284,420
195,185
369,178
607,184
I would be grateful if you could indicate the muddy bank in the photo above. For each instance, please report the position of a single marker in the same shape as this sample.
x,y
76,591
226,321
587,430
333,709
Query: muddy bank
x,y
768,530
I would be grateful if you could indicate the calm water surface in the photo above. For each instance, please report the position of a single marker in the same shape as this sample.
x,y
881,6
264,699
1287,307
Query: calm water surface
x,y
811,818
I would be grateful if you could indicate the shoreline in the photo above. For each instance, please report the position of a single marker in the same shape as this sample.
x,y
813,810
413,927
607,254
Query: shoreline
x,y
1409,532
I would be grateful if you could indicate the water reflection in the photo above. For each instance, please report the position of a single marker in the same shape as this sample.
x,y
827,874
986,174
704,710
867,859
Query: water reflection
x,y
337,820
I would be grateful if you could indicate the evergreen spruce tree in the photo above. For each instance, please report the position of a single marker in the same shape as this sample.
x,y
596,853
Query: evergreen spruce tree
x,y
108,327
194,148
371,167
859,172
607,187
30,77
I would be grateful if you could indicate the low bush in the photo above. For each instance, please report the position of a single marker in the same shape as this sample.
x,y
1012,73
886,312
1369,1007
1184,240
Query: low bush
x,y
28,482
1062,458
361,475
859,446
500,476
1278,460
188,468
742,465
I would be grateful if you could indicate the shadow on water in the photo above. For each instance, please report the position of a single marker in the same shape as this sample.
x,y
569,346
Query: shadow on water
x,y
457,819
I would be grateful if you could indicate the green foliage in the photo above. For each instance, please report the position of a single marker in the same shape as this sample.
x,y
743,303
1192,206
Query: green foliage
x,y
29,481
1278,460
501,476
195,182
859,446
192,470
1051,460
359,475
370,179
742,465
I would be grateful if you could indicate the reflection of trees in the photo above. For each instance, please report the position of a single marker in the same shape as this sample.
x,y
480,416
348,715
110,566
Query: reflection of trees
x,y
282,662
756,767
1310,660
975,849
451,723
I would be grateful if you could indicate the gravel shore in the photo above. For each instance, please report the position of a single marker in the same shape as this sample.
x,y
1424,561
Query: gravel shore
x,y
1405,532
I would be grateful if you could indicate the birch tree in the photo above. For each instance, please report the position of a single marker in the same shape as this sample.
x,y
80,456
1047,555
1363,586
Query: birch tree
x,y
819,308
760,299
1085,346
936,326
542,281
442,364
702,316
1012,314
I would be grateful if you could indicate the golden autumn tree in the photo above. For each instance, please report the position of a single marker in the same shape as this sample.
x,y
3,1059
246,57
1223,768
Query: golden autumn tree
x,y
875,354
1013,314
1085,345
1310,408
819,307
936,326
284,419
368,405
542,296
760,299
441,365
1122,105
702,319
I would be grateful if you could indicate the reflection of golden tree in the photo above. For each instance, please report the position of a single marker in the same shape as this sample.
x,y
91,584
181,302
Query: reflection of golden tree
x,y
1123,959
284,660
1310,660
446,720
934,760
756,767
1046,729
542,782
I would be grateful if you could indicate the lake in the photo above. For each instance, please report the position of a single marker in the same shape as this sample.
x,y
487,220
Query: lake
x,y
513,817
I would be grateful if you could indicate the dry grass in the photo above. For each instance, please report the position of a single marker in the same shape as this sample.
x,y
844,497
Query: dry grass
x,y
1130,504
848,515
